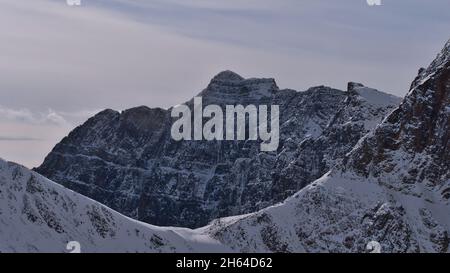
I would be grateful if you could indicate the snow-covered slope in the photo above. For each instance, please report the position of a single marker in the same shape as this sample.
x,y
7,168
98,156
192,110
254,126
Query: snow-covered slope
x,y
393,187
37,215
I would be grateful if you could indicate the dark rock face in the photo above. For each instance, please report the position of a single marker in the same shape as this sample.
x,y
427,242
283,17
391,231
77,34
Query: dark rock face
x,y
129,162
419,129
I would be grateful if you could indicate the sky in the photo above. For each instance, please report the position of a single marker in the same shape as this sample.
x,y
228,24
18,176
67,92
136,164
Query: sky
x,y
61,64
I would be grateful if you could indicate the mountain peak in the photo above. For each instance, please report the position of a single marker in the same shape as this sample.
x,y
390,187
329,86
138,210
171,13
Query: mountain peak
x,y
228,87
107,112
371,95
228,76
417,131
441,60
352,86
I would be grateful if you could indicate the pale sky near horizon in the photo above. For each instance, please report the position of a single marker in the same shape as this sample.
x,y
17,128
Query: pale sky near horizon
x,y
61,64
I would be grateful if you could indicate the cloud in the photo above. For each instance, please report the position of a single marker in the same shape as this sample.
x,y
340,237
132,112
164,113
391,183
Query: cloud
x,y
18,138
122,53
26,136
342,29
50,117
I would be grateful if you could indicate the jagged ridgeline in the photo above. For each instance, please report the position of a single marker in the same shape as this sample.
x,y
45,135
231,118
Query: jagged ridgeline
x,y
129,162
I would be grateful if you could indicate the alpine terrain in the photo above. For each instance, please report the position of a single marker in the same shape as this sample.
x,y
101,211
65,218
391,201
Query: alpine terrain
x,y
129,162
393,187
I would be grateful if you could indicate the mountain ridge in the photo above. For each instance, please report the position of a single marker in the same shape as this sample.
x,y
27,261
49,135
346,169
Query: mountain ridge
x,y
129,162
38,215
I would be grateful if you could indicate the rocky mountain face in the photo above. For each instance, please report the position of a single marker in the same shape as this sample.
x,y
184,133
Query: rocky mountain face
x,y
393,187
38,215
129,162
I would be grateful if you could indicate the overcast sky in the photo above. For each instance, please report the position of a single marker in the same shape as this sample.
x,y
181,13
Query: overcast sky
x,y
60,64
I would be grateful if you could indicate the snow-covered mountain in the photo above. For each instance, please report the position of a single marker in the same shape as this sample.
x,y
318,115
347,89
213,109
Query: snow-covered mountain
x,y
393,187
38,215
129,162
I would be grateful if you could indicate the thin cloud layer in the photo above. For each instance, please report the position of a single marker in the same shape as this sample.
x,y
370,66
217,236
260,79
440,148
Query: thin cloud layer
x,y
27,136
15,138
26,116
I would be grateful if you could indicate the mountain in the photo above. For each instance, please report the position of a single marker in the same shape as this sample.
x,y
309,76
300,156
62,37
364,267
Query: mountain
x,y
38,215
129,162
392,188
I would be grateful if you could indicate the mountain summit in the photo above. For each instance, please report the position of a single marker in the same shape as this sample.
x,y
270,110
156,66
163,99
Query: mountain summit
x,y
227,76
227,87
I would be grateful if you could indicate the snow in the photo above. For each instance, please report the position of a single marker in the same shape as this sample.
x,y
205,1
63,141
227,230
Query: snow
x,y
332,209
377,98
38,215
